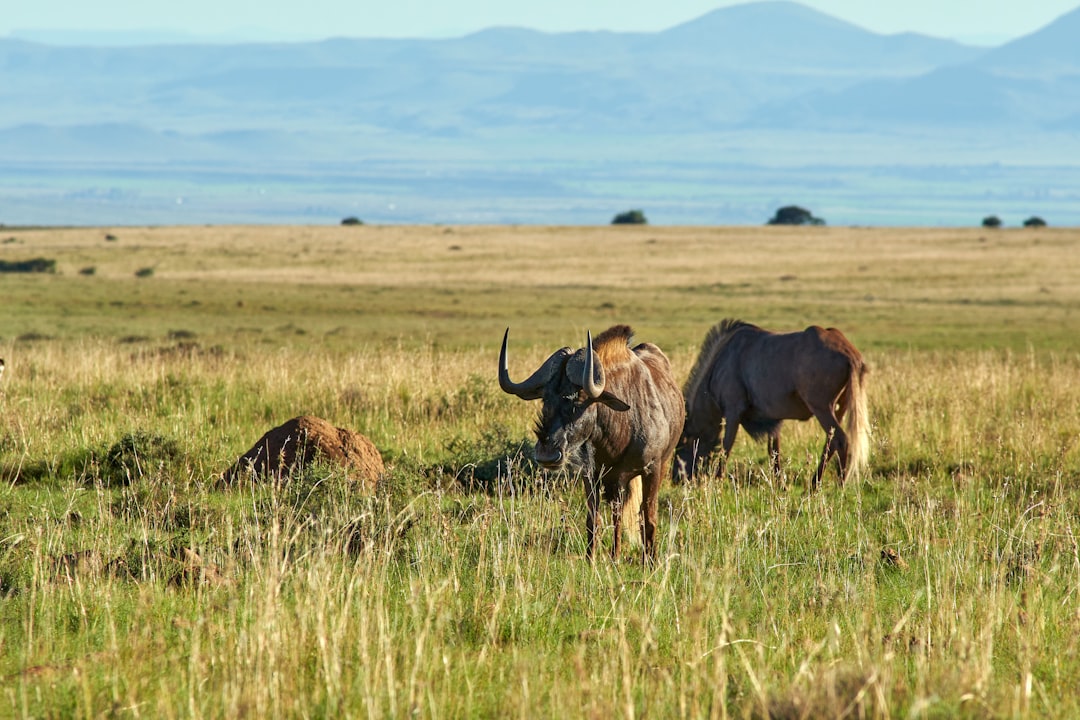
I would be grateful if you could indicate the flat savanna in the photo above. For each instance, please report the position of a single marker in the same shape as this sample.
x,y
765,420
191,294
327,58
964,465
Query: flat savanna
x,y
943,582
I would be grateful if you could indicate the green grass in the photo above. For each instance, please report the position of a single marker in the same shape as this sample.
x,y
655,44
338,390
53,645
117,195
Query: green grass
x,y
941,584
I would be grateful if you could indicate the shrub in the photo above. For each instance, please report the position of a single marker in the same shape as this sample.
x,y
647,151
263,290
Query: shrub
x,y
1034,222
794,215
991,221
630,217
137,454
34,337
88,270
36,265
144,272
351,220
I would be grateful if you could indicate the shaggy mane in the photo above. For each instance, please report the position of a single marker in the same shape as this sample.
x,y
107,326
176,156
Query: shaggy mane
x,y
613,345
714,342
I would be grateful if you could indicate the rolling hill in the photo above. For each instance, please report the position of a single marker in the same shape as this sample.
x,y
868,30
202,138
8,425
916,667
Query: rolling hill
x,y
587,119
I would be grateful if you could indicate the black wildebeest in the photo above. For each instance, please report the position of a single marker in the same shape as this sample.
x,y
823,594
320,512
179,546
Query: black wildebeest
x,y
752,377
618,411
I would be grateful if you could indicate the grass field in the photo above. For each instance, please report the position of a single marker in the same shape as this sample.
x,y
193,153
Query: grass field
x,y
944,583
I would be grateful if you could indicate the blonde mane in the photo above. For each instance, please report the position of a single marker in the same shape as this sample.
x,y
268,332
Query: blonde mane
x,y
613,345
715,340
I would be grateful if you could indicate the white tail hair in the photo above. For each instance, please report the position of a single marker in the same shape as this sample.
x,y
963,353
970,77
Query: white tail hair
x,y
857,423
630,520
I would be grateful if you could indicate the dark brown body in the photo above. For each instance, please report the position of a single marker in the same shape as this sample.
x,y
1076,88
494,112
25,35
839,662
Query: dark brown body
x,y
618,411
752,377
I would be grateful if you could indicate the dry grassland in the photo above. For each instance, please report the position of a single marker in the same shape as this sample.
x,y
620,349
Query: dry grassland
x,y
461,285
944,583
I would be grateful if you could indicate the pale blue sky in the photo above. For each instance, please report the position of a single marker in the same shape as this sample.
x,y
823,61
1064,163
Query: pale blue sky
x,y
986,21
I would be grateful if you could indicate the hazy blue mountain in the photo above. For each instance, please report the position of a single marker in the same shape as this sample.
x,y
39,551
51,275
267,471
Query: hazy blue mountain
x,y
1030,83
714,70
786,37
1050,52
722,118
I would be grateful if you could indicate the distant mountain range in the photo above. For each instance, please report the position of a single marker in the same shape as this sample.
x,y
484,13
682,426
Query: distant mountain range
x,y
768,67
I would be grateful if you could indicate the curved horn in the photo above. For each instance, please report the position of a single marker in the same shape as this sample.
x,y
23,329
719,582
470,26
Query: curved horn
x,y
594,389
532,387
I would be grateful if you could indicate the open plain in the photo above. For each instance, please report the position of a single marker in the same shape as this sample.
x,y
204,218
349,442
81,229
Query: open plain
x,y
945,582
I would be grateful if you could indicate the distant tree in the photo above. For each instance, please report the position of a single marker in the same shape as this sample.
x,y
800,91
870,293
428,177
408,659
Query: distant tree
x,y
1034,222
795,215
630,217
352,220
991,221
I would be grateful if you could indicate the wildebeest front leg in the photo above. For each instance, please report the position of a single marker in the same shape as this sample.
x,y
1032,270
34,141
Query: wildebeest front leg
x,y
731,429
618,489
616,520
774,452
592,515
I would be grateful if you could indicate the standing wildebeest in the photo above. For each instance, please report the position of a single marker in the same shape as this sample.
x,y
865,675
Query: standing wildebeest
x,y
617,410
755,378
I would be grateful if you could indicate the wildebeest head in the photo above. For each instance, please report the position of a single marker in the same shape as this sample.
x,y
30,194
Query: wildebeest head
x,y
570,385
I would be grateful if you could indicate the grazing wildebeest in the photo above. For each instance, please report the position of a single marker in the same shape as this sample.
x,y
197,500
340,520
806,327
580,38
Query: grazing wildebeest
x,y
752,377
616,410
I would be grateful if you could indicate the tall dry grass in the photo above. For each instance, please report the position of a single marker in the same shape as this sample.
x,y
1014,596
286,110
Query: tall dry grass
x,y
942,584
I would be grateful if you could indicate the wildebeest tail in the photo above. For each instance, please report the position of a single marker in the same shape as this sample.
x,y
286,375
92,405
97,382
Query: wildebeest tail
x,y
857,420
630,519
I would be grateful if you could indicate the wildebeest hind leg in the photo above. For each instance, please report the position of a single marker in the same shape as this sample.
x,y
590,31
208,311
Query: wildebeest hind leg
x,y
650,488
840,447
835,444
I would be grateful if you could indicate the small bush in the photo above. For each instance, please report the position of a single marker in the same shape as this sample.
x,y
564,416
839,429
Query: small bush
x,y
144,272
991,221
496,457
1034,222
630,217
352,220
36,265
34,337
794,215
137,454
89,270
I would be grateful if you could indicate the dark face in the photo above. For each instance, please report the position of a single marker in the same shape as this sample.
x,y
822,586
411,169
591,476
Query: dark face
x,y
566,422
682,467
